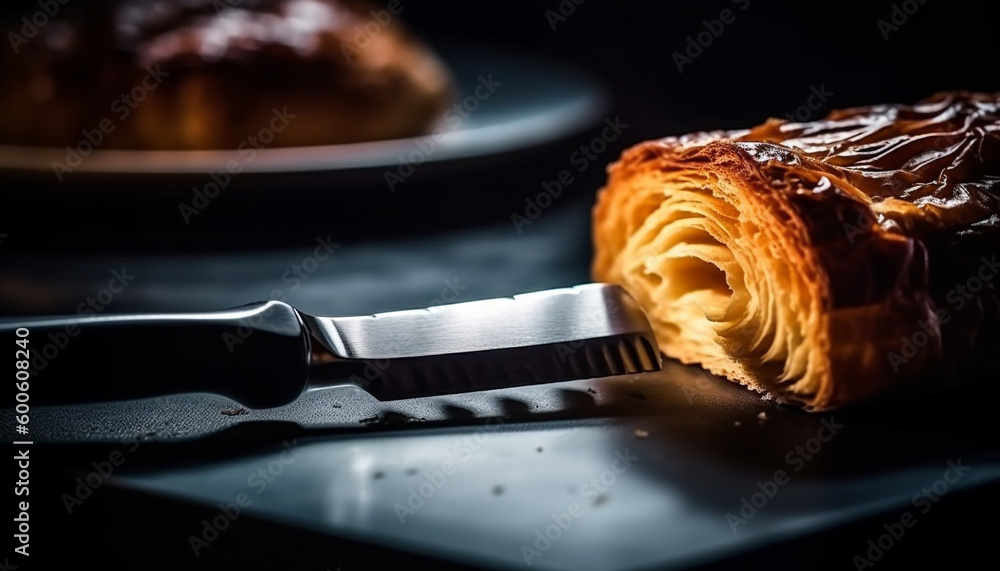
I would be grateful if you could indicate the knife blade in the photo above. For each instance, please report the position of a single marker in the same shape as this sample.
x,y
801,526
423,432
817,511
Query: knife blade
x,y
267,354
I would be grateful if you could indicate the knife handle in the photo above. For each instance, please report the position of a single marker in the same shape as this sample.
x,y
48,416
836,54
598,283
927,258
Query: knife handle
x,y
257,354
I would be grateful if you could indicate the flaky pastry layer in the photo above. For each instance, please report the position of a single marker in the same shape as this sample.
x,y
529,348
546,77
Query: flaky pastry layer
x,y
814,261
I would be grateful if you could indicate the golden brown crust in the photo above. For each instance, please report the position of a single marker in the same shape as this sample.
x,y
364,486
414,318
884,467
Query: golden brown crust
x,y
817,261
346,74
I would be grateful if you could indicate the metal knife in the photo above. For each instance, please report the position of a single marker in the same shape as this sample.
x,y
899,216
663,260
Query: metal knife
x,y
267,354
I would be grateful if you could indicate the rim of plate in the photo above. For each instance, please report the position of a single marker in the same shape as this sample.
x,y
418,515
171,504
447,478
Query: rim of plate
x,y
537,125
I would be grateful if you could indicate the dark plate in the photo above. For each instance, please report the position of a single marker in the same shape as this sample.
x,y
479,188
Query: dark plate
x,y
646,471
356,459
531,101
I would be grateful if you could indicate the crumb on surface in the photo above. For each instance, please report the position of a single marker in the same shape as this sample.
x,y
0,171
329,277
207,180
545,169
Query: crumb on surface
x,y
638,395
497,490
737,423
591,391
237,411
762,415
335,405
539,449
369,420
641,433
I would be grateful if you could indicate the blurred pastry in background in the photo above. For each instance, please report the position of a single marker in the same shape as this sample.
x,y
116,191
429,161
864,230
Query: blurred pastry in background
x,y
201,74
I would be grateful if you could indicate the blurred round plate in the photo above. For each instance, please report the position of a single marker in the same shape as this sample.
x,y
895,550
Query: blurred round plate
x,y
534,101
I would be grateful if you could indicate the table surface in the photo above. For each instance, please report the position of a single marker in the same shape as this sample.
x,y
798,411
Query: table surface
x,y
653,468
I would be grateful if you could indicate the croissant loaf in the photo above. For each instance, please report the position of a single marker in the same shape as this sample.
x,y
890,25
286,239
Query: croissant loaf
x,y
823,263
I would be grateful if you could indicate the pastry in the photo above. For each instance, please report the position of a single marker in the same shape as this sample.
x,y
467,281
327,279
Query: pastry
x,y
221,74
823,263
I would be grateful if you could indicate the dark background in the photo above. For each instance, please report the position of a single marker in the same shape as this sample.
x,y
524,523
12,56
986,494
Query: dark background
x,y
62,241
763,64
